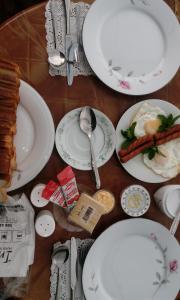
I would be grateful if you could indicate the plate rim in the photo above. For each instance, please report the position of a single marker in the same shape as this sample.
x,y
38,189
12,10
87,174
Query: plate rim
x,y
24,180
73,111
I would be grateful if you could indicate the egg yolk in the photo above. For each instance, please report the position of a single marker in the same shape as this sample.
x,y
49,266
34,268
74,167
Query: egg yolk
x,y
152,126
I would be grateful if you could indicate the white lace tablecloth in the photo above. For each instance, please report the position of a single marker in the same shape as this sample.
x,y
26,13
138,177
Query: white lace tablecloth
x,y
56,9
64,289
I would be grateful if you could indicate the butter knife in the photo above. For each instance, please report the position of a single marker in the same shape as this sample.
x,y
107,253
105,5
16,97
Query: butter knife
x,y
73,57
73,266
68,40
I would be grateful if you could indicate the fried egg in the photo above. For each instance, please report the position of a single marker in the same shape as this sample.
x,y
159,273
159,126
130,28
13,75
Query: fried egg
x,y
167,162
146,119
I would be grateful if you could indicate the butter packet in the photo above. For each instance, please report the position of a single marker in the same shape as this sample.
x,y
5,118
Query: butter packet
x,y
86,213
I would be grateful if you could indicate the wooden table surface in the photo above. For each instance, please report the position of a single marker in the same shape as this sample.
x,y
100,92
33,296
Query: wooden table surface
x,y
22,40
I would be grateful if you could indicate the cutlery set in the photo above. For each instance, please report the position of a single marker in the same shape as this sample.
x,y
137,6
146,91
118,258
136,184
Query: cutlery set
x,y
61,255
57,58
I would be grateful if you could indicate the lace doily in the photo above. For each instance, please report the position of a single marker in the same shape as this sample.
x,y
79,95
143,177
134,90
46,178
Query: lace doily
x,y
64,289
56,9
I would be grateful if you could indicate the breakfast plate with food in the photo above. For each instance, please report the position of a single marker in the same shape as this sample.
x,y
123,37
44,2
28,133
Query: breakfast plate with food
x,y
26,130
34,139
148,141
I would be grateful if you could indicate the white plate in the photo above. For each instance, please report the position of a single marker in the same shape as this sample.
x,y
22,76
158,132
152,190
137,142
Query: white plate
x,y
73,145
34,140
135,259
133,46
135,166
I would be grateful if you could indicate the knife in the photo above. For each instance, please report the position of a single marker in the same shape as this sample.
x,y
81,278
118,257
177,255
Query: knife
x,y
73,57
68,41
73,266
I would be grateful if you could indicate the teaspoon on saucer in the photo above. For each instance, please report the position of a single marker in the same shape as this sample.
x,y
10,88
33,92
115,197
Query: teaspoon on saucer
x,y
88,125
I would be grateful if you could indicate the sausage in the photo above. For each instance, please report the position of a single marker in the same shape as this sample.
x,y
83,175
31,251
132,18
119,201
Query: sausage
x,y
168,138
135,152
148,141
139,142
160,135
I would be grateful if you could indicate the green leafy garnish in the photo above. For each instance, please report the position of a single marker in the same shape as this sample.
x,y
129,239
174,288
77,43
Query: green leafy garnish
x,y
129,136
167,122
151,152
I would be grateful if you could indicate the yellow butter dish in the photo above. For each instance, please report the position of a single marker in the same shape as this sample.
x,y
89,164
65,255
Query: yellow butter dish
x,y
106,199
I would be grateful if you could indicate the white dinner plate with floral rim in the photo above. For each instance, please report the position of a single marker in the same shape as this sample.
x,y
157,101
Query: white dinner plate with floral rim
x,y
73,145
134,259
133,46
34,140
136,166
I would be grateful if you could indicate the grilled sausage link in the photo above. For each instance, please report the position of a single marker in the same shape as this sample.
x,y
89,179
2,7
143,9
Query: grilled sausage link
x,y
136,151
137,143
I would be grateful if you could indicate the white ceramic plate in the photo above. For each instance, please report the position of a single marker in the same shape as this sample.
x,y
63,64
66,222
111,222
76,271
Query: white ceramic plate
x,y
133,46
135,259
34,140
136,166
73,145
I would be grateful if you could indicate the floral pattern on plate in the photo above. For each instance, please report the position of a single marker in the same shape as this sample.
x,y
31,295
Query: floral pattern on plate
x,y
144,2
125,81
169,266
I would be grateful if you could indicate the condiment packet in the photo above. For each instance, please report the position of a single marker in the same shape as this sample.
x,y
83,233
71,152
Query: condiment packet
x,y
53,193
69,186
86,213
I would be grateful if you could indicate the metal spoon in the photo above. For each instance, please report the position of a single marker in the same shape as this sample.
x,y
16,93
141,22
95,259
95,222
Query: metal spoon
x,y
87,125
59,257
57,58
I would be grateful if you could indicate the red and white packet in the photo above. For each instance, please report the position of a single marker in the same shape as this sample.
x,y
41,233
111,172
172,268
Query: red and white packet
x,y
68,184
53,193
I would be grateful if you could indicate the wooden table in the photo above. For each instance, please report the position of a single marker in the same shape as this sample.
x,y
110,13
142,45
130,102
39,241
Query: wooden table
x,y
22,40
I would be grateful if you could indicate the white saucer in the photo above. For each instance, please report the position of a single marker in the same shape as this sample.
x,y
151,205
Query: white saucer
x,y
73,145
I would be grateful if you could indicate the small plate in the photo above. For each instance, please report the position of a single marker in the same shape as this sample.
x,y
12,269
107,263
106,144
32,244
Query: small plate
x,y
73,145
34,140
135,166
133,259
133,46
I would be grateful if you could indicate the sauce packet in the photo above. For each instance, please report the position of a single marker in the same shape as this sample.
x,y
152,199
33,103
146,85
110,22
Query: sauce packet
x,y
53,193
68,184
